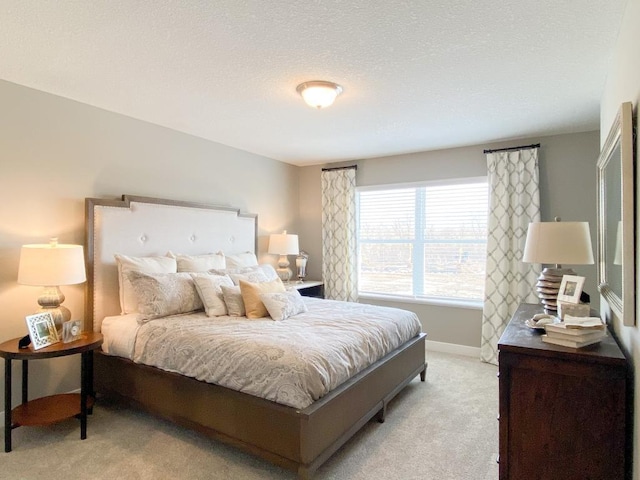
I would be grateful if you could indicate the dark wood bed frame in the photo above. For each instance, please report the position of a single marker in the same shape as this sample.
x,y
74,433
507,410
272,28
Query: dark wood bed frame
x,y
298,440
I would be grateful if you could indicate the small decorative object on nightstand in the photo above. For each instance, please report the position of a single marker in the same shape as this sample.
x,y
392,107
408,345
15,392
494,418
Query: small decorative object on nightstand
x,y
42,330
54,408
71,331
301,265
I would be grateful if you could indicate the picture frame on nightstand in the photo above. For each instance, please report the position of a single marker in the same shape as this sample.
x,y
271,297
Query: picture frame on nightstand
x,y
42,330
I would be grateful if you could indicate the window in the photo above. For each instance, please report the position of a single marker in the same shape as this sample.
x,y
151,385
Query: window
x,y
423,241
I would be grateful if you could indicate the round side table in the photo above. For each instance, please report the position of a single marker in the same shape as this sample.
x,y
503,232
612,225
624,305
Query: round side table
x,y
54,408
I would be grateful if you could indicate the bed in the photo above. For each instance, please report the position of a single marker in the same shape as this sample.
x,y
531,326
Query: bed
x,y
299,438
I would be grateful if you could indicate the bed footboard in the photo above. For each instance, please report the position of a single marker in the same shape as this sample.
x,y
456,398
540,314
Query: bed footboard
x,y
298,440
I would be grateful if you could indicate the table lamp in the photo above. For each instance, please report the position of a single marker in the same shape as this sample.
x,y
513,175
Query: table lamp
x,y
283,244
49,266
556,243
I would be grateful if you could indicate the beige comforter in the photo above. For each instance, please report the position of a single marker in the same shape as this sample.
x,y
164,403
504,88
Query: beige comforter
x,y
293,362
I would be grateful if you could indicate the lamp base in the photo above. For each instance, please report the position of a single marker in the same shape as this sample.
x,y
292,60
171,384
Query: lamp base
x,y
548,287
285,274
283,270
50,301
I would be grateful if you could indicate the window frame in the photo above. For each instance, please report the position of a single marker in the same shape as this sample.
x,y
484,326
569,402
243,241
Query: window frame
x,y
419,223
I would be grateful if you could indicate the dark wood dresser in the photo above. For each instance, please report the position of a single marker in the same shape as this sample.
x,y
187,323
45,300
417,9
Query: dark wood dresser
x,y
563,411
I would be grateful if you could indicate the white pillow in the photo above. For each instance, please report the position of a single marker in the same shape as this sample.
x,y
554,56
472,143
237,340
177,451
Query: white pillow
x,y
233,300
163,294
250,274
239,260
127,264
198,263
269,271
210,290
282,305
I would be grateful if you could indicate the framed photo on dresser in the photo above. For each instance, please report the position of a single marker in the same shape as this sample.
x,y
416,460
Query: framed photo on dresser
x,y
571,288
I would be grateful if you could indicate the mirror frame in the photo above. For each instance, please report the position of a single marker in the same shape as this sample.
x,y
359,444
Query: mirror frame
x,y
621,134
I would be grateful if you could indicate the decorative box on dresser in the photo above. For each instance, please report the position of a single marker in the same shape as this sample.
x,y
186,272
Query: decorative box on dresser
x,y
563,411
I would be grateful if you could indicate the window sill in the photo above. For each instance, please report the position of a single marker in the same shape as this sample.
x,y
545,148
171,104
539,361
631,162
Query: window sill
x,y
441,302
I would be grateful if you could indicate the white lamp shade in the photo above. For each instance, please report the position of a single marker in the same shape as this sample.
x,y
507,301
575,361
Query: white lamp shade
x,y
558,243
51,265
283,244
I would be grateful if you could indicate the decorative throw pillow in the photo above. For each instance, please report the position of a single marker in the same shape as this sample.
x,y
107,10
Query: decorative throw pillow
x,y
253,274
210,290
251,296
240,260
127,264
233,301
198,263
163,294
268,271
283,305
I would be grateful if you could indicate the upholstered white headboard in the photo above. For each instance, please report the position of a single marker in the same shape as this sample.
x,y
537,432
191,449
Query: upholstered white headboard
x,y
142,226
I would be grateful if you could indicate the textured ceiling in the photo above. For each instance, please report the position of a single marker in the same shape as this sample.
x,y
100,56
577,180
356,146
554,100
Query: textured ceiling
x,y
417,75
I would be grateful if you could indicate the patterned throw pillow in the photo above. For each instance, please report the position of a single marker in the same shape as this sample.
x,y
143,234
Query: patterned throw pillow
x,y
128,264
233,301
268,271
283,305
210,290
254,274
163,294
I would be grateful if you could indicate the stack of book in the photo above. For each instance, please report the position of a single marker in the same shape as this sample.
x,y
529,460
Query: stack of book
x,y
575,332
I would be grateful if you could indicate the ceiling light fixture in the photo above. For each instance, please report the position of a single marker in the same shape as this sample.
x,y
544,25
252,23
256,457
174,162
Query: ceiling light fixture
x,y
318,93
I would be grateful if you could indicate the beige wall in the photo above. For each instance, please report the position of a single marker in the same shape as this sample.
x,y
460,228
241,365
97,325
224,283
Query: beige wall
x,y
567,189
623,85
55,152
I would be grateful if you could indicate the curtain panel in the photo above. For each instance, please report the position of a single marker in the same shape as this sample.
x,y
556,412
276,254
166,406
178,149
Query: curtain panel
x,y
339,246
514,202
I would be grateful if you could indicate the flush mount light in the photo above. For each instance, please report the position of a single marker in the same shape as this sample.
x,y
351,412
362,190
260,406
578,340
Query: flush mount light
x,y
318,93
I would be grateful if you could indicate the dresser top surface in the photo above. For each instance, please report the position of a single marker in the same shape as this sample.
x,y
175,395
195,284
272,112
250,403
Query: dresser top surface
x,y
517,337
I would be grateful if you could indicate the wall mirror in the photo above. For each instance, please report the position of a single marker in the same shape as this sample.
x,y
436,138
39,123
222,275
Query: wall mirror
x,y
616,229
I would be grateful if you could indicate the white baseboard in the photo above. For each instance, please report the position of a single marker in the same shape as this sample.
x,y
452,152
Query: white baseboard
x,y
453,348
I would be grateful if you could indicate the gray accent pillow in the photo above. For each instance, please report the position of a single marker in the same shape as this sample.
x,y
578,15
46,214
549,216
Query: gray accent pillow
x,y
233,300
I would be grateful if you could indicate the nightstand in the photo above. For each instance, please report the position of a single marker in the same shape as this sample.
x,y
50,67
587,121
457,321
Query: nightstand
x,y
310,288
54,408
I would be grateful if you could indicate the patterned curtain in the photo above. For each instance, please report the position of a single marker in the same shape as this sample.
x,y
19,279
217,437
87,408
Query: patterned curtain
x,y
339,250
514,201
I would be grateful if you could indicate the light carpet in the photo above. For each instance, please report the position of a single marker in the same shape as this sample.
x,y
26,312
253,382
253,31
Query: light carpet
x,y
442,429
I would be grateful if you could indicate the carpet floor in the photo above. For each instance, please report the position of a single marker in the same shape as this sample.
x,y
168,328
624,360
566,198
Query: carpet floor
x,y
442,429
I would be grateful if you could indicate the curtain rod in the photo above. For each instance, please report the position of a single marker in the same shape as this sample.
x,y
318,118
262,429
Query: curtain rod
x,y
355,167
521,147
